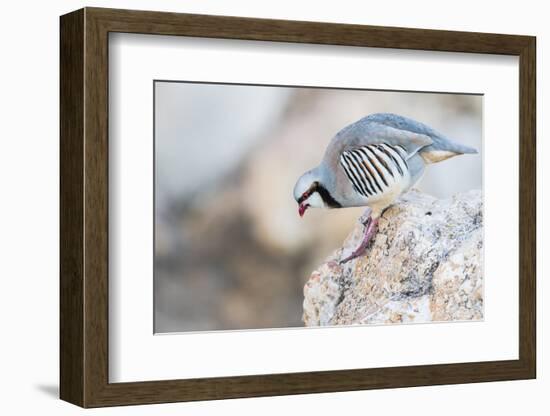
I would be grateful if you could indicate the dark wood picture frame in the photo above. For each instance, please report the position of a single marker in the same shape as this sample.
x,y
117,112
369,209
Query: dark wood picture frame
x,y
84,207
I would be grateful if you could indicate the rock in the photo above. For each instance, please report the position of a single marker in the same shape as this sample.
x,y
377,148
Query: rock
x,y
425,265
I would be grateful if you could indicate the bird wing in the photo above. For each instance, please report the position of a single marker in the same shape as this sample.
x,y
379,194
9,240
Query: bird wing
x,y
374,156
374,168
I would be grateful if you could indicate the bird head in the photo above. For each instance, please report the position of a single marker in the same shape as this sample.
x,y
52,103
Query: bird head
x,y
306,192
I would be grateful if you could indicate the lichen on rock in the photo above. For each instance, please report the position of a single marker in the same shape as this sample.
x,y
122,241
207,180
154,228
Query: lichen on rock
x,y
424,265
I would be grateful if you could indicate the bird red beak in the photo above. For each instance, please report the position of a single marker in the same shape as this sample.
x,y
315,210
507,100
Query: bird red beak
x,y
302,209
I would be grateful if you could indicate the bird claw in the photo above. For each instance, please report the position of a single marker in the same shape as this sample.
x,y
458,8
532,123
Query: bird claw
x,y
348,258
357,253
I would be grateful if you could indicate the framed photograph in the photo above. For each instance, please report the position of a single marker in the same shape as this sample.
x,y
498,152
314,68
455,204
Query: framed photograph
x,y
255,207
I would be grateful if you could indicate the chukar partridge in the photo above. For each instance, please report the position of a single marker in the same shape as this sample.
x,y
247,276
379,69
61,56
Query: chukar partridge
x,y
370,163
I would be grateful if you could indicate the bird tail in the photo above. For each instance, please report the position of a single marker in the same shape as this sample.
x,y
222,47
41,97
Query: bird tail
x,y
444,149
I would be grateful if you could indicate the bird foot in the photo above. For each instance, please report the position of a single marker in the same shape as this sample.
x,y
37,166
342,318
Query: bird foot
x,y
371,226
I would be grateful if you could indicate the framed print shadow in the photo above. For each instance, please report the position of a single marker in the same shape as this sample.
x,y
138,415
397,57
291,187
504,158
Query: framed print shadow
x,y
254,207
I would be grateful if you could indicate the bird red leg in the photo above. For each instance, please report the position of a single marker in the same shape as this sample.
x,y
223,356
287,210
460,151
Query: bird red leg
x,y
371,227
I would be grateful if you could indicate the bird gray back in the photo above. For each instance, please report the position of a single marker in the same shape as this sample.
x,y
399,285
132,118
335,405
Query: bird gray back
x,y
395,130
440,143
365,132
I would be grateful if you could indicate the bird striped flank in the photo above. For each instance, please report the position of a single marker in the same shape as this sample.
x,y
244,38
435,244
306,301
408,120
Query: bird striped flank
x,y
372,169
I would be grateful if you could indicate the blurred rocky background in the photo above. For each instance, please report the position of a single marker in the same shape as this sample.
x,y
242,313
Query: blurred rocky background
x,y
231,251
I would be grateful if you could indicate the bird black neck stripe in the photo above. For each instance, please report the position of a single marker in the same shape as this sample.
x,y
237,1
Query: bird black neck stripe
x,y
327,197
322,191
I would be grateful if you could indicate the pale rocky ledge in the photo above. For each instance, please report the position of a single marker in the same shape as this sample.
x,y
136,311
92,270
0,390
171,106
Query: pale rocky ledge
x,y
425,265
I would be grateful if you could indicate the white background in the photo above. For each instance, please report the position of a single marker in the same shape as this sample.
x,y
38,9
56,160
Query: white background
x,y
29,209
136,355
